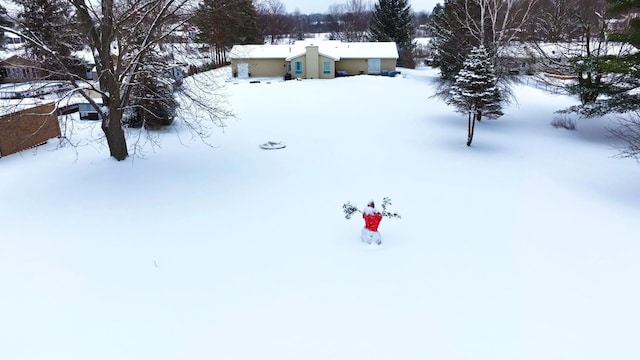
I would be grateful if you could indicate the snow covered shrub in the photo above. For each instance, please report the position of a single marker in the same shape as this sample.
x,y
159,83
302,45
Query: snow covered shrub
x,y
563,121
153,104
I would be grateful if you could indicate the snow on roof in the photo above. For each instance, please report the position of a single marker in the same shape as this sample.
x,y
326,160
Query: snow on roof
x,y
330,48
30,85
10,106
11,35
85,54
564,50
7,53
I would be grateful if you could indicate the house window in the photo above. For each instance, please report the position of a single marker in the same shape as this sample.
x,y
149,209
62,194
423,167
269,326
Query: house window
x,y
298,67
326,67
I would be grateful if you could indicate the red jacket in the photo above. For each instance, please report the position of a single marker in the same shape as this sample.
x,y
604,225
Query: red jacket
x,y
372,220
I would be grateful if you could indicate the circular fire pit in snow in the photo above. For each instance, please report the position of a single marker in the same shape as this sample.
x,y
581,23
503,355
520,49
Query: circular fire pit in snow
x,y
272,145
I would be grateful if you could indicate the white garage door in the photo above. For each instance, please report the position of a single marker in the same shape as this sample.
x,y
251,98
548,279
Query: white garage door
x,y
243,70
374,66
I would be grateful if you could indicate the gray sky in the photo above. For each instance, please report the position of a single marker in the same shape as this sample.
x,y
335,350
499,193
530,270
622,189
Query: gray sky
x,y
322,6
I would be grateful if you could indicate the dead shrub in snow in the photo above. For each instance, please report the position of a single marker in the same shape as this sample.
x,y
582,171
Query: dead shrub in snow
x,y
563,121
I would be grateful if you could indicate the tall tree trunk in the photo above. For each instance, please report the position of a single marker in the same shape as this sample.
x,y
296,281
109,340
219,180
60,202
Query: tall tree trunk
x,y
112,122
101,35
113,131
471,123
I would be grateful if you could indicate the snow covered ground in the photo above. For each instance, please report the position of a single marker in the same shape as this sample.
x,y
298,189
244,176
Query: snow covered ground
x,y
523,246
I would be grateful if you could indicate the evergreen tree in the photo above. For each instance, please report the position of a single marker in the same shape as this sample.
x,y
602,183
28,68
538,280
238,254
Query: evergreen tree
x,y
392,21
53,24
628,129
224,23
622,7
465,24
608,83
475,91
450,42
626,98
249,31
153,104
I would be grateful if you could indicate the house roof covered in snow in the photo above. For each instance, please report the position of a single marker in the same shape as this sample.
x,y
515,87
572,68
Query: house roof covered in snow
x,y
333,49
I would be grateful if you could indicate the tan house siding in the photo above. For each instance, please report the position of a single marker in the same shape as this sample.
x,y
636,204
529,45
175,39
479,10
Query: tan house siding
x,y
313,69
315,60
352,66
278,67
361,66
388,64
303,61
261,67
27,128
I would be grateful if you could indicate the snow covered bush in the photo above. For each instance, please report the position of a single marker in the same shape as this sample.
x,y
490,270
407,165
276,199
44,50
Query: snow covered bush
x,y
153,104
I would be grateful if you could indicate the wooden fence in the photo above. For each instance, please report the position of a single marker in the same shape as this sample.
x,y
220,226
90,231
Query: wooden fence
x,y
27,128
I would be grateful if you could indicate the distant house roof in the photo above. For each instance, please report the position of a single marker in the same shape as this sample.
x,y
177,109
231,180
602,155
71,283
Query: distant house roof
x,y
16,60
332,49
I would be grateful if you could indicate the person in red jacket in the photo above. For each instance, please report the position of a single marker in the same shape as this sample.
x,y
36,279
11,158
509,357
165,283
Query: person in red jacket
x,y
372,218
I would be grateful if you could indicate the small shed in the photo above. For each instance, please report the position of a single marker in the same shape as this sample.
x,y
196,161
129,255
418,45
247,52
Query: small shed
x,y
27,126
88,112
18,69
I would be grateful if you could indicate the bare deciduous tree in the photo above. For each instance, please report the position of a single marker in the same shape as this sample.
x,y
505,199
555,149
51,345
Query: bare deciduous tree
x,y
350,20
554,20
584,57
224,23
121,35
495,23
274,21
464,24
628,130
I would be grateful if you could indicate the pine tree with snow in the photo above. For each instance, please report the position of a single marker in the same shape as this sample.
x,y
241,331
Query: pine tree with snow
x,y
224,23
611,80
152,103
475,91
450,42
392,20
627,101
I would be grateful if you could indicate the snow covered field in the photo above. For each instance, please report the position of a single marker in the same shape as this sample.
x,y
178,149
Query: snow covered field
x,y
523,247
